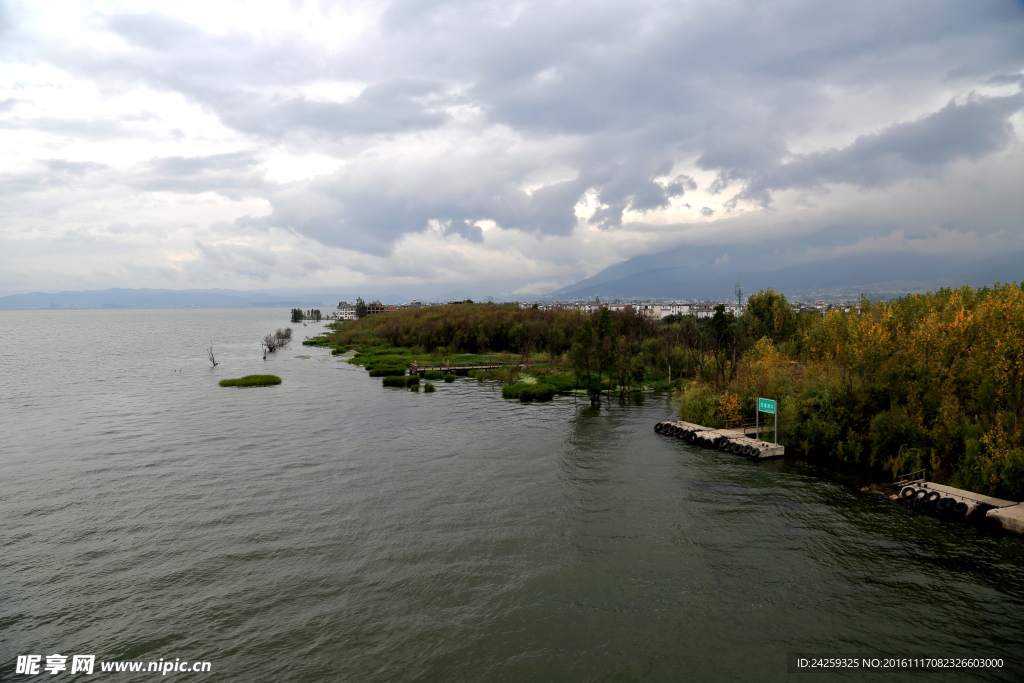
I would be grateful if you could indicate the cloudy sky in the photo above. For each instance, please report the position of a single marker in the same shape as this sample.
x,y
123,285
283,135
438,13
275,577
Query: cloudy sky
x,y
509,148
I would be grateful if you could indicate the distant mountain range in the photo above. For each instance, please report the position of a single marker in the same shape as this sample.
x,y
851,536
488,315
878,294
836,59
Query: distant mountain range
x,y
154,298
703,273
684,272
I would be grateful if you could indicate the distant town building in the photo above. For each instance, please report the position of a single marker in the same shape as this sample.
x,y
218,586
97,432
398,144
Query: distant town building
x,y
346,311
376,307
674,309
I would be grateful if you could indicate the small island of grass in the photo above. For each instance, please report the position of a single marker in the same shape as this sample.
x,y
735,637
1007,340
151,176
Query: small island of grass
x,y
252,381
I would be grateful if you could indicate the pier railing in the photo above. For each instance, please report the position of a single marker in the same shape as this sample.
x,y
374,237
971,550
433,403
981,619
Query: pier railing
x,y
910,477
453,367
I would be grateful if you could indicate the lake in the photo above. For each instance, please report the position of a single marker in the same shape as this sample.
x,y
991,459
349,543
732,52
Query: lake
x,y
329,529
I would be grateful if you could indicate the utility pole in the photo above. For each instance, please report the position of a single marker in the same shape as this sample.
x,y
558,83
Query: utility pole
x,y
739,298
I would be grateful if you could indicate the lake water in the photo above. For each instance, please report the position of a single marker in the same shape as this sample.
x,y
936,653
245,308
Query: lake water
x,y
329,529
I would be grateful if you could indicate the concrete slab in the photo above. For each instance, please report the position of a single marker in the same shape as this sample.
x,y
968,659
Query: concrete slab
x,y
767,449
1011,518
966,496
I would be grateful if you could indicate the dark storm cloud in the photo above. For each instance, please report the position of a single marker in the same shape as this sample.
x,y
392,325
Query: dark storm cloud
x,y
621,94
971,130
370,212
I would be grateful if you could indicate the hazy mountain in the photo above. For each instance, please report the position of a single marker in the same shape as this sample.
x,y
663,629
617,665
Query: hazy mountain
x,y
685,272
155,298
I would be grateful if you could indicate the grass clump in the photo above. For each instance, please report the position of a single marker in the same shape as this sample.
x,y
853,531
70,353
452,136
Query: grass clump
x,y
528,392
401,381
433,374
429,387
448,379
387,372
252,381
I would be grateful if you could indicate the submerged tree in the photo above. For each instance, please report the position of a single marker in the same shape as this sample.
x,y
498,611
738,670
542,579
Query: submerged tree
x,y
278,340
209,354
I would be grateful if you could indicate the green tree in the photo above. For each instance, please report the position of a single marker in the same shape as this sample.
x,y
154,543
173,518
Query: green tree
x,y
296,315
360,308
772,315
585,360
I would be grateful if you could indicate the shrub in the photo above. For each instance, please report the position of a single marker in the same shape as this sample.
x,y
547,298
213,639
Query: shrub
x,y
448,379
528,392
252,381
537,392
512,390
433,374
561,383
395,381
413,381
428,387
891,431
387,372
414,387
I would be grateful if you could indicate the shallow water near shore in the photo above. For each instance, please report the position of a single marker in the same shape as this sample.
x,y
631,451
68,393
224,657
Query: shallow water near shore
x,y
329,529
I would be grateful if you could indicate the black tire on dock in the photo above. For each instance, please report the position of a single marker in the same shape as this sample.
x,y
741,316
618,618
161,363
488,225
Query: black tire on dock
x,y
737,449
960,507
657,428
747,449
946,503
920,494
934,496
907,493
755,452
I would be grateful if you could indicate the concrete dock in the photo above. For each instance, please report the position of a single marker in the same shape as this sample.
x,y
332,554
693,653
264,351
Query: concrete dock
x,y
971,507
725,440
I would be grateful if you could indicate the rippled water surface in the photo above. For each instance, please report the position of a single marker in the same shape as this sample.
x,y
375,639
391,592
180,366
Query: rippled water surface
x,y
328,529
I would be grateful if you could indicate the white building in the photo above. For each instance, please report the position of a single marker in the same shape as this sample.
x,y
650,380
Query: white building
x,y
346,311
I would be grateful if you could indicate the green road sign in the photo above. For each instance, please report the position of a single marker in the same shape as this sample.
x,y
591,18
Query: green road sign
x,y
766,405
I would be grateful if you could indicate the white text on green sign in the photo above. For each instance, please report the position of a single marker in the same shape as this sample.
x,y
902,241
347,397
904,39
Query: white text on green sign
x,y
766,405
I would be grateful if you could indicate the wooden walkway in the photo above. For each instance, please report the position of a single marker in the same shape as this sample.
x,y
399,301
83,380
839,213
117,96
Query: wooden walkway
x,y
726,440
458,368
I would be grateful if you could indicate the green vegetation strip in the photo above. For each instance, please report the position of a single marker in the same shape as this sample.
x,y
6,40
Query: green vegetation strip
x,y
252,381
528,392
930,380
402,381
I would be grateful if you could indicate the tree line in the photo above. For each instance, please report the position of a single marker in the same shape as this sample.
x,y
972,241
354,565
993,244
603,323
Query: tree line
x,y
931,381
298,315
